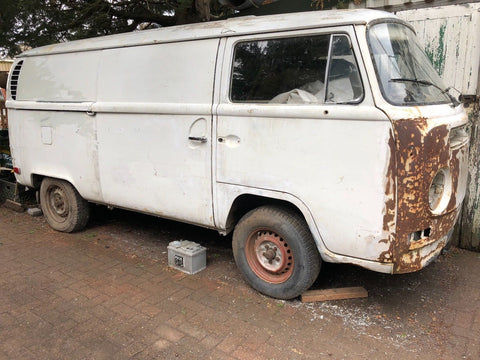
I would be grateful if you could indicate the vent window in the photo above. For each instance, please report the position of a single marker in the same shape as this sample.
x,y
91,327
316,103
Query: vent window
x,y
14,80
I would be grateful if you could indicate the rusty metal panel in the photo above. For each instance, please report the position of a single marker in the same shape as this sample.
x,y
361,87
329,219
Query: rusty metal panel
x,y
451,38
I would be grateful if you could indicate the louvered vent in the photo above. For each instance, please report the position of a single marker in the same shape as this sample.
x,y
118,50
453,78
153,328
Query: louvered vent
x,y
14,79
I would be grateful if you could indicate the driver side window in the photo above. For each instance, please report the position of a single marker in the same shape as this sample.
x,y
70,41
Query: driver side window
x,y
294,71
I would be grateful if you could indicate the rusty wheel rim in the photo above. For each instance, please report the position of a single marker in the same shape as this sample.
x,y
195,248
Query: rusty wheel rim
x,y
269,256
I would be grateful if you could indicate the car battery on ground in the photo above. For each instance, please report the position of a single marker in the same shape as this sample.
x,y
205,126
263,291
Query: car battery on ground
x,y
187,256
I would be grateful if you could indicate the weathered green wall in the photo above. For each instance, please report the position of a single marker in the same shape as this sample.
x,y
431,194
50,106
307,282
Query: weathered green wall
x,y
469,234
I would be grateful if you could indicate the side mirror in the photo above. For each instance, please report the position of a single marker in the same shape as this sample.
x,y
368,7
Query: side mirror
x,y
466,100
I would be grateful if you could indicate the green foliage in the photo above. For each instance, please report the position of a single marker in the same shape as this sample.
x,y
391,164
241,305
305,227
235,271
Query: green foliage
x,y
32,23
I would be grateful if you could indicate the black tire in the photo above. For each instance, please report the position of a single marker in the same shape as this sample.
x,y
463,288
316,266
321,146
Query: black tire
x,y
63,207
275,252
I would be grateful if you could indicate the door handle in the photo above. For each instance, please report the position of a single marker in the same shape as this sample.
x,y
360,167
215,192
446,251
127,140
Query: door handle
x,y
201,139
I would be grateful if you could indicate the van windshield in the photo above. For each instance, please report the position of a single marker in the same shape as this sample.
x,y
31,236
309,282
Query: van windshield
x,y
406,75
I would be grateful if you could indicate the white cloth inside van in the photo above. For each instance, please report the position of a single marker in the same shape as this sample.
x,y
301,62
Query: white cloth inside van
x,y
295,96
339,90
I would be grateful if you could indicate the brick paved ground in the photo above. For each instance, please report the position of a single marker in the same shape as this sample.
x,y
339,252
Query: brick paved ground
x,y
107,293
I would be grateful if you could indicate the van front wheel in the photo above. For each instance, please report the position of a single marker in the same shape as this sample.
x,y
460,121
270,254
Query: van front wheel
x,y
275,252
63,207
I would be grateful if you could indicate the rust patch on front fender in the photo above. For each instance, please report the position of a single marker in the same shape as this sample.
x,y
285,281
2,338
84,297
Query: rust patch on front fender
x,y
418,152
389,210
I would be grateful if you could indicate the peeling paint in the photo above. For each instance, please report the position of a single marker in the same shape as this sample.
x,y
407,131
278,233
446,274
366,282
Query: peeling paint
x,y
450,36
418,151
436,50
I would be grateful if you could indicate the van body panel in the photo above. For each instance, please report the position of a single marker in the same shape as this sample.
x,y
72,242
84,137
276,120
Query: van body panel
x,y
306,152
172,76
148,129
60,78
156,154
341,191
426,141
153,116
59,144
230,192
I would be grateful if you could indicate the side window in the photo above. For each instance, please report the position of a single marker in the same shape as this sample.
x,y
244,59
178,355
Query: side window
x,y
344,84
293,71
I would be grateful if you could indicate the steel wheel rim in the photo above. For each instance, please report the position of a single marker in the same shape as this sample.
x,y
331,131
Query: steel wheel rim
x,y
58,203
269,256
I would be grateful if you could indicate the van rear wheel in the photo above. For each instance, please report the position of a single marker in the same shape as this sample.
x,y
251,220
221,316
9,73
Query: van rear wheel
x,y
63,207
275,252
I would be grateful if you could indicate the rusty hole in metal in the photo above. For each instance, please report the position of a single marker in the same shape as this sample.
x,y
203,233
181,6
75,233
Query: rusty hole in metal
x,y
420,234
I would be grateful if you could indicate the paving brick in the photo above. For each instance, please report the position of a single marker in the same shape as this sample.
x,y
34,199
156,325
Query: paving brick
x,y
104,351
195,331
463,319
143,334
7,320
135,299
162,344
98,300
461,332
229,344
124,311
150,310
177,320
268,351
180,294
65,326
132,349
64,296
169,333
79,315
245,354
217,354
255,340
476,316
210,341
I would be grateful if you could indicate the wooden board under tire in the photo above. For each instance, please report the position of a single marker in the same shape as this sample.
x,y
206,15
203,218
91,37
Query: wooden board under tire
x,y
334,294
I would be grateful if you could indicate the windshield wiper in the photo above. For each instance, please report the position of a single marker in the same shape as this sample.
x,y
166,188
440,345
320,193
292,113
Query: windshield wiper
x,y
428,83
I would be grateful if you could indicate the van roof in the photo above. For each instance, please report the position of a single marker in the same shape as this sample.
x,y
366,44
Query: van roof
x,y
223,28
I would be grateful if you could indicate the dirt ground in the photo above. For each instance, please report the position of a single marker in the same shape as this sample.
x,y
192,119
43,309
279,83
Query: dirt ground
x,y
107,293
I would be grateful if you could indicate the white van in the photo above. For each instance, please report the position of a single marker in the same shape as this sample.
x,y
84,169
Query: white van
x,y
312,136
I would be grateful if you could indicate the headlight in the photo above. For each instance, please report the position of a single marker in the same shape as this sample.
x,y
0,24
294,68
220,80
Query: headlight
x,y
440,191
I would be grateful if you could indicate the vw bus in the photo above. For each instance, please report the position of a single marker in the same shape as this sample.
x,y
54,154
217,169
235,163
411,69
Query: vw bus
x,y
318,136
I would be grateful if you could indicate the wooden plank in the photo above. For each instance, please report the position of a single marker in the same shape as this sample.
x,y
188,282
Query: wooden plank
x,y
13,205
334,294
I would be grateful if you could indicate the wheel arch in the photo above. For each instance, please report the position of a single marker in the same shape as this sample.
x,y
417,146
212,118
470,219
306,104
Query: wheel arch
x,y
63,207
247,201
36,180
